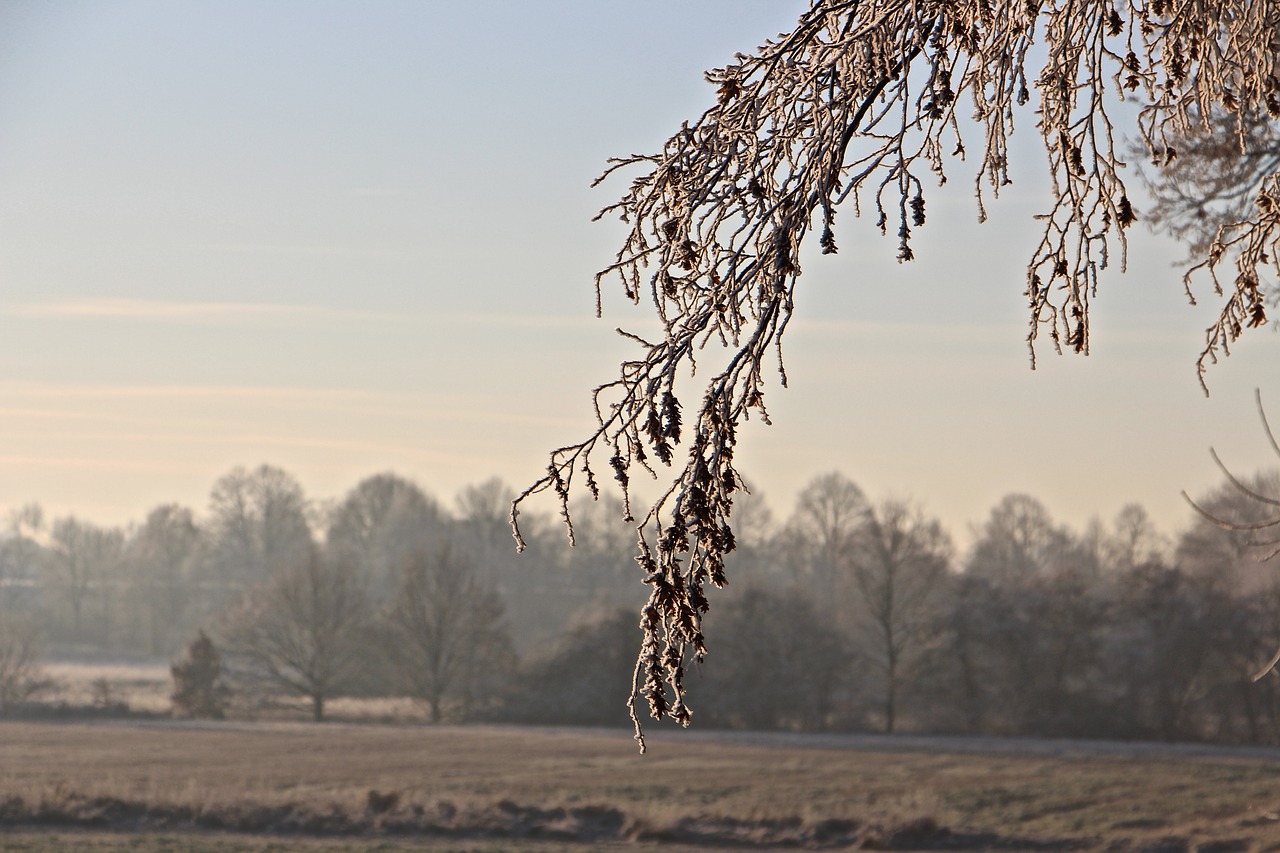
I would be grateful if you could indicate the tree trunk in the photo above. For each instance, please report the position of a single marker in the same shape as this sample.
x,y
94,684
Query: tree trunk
x,y
317,707
891,698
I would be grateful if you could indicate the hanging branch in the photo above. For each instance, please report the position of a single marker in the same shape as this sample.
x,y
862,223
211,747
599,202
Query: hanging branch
x,y
860,103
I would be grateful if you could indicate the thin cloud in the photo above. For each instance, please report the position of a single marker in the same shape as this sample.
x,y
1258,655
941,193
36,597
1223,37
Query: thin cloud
x,y
325,250
157,309
77,463
213,439
29,400
530,321
111,308
18,388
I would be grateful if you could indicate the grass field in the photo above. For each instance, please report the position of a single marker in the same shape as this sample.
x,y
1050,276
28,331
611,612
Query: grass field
x,y
164,786
147,687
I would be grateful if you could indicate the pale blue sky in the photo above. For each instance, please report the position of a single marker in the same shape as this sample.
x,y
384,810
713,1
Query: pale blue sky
x,y
348,237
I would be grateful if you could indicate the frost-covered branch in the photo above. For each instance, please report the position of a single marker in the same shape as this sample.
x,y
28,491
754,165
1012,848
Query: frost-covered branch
x,y
861,105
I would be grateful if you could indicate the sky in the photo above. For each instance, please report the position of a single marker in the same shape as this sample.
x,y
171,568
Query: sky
x,y
343,238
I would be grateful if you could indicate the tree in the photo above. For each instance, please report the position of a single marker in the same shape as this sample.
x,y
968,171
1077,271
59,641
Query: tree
x,y
1237,528
160,556
21,676
1019,540
1247,514
1026,652
1133,540
482,521
450,640
862,101
258,524
899,563
1175,629
21,557
535,595
1206,180
577,682
829,512
598,569
84,557
784,665
199,681
381,521
305,630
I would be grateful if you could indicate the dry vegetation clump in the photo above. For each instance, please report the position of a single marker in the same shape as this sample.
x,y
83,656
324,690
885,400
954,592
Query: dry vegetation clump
x,y
385,815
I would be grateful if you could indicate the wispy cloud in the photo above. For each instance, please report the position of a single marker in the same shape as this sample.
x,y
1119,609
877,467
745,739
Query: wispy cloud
x,y
291,440
159,309
306,250
14,389
198,403
113,308
97,463
585,321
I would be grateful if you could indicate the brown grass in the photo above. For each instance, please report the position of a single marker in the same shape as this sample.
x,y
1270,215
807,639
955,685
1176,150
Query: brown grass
x,y
141,687
148,688
456,783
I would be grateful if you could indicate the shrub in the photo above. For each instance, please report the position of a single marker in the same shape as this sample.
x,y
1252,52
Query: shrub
x,y
199,688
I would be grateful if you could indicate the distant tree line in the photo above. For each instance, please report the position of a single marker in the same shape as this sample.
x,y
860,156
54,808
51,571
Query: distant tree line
x,y
849,615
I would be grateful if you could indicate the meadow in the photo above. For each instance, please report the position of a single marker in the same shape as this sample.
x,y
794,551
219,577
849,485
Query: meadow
x,y
168,785
146,688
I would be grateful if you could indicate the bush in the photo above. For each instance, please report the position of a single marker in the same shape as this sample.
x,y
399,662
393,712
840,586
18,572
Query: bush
x,y
583,682
199,688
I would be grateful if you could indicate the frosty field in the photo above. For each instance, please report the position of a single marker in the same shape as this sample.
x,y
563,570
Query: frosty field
x,y
167,785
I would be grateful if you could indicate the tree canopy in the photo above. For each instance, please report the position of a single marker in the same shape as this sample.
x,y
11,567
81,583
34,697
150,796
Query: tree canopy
x,y
866,104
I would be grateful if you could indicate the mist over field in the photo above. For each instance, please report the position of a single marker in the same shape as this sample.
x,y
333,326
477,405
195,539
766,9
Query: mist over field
x,y
847,613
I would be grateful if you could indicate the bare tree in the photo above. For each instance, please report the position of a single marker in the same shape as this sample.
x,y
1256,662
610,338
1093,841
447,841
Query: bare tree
x,y
899,562
1133,540
482,511
863,102
83,557
1018,540
21,676
1025,651
381,521
829,513
1248,511
258,523
1174,649
21,557
598,570
785,665
575,680
304,631
450,639
1206,180
161,556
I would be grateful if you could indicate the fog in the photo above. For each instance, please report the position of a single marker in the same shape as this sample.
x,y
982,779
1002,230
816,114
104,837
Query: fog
x,y
844,612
